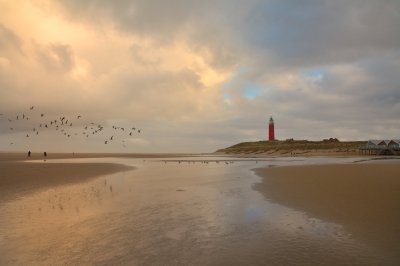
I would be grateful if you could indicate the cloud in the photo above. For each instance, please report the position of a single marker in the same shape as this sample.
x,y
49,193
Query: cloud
x,y
9,41
200,75
56,57
321,32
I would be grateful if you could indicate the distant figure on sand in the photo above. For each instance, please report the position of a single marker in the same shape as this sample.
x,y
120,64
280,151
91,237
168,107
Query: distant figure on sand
x,y
45,154
29,153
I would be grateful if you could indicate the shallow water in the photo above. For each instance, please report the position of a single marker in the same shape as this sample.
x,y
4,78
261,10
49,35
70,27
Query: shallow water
x,y
177,211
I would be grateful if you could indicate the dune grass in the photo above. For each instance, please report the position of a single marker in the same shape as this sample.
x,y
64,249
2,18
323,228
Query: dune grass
x,y
291,145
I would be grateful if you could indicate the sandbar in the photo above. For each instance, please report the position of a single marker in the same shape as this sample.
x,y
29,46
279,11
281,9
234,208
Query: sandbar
x,y
364,198
17,177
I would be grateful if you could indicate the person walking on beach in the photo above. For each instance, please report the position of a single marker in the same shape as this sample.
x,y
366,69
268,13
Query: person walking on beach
x,y
29,153
45,154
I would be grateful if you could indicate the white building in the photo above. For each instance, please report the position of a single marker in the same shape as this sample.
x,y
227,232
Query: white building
x,y
385,143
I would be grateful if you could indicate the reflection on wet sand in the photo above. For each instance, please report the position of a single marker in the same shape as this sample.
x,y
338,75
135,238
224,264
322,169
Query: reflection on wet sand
x,y
166,212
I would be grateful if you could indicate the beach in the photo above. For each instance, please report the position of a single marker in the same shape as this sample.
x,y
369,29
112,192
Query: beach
x,y
365,198
21,177
199,210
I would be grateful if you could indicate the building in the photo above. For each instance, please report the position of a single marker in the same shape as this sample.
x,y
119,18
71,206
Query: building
x,y
383,143
271,129
382,147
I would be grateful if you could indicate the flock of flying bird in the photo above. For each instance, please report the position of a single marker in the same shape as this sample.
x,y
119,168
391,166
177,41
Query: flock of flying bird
x,y
65,126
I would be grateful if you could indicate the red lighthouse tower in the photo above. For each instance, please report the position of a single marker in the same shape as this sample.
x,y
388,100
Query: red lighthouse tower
x,y
271,129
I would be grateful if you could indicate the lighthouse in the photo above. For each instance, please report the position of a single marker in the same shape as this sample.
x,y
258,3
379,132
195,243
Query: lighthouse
x,y
271,130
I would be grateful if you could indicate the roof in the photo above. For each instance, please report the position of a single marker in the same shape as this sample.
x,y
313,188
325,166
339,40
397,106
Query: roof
x,y
383,141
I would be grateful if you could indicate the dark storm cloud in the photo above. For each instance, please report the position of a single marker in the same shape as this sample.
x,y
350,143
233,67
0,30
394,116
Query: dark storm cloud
x,y
306,33
271,33
141,16
205,25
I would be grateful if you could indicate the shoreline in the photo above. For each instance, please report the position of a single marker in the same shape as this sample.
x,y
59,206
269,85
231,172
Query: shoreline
x,y
22,156
362,197
297,153
18,178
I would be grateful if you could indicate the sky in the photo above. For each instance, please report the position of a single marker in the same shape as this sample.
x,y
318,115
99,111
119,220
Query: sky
x,y
196,76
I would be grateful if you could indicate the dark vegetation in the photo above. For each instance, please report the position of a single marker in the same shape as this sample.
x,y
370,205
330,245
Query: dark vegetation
x,y
291,145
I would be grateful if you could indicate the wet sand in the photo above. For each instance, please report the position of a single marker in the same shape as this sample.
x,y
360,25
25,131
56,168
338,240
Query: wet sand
x,y
174,211
364,198
18,177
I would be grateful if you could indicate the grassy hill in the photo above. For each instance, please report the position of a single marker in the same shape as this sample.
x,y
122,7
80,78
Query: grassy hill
x,y
293,145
